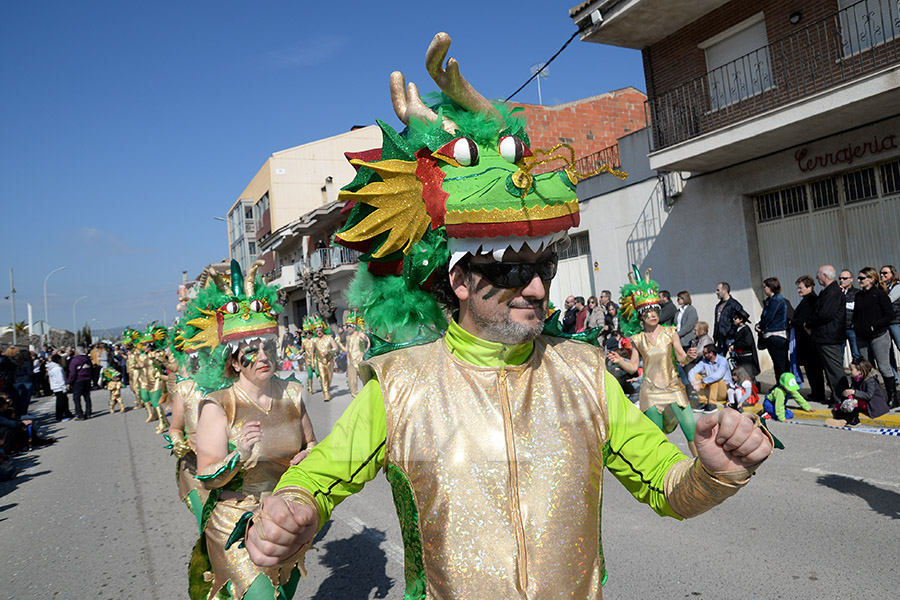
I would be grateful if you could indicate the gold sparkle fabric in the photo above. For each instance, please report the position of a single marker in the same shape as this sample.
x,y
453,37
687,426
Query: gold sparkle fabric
x,y
282,438
324,362
187,392
661,384
506,467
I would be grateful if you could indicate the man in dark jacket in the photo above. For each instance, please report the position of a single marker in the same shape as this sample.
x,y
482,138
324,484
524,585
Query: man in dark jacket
x,y
667,310
723,326
80,382
570,316
828,327
849,291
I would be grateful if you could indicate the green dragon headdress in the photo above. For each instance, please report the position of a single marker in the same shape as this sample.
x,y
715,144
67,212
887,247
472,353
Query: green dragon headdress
x,y
130,336
153,338
460,179
220,318
637,296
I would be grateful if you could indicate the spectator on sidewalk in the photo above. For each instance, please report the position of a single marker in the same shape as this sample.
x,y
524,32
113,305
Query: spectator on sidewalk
x,y
95,366
569,316
744,348
667,309
888,283
79,381
596,314
685,319
807,356
24,380
849,291
871,317
773,326
827,327
581,314
58,386
723,325
8,366
711,378
860,393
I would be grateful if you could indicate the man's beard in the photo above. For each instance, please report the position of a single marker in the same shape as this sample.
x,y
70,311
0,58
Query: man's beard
x,y
507,331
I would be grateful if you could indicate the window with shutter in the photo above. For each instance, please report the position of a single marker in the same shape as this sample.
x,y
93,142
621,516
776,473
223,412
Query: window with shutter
x,y
738,63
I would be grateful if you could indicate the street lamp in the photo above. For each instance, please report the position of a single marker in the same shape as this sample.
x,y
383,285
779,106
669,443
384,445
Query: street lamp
x,y
46,317
165,318
74,327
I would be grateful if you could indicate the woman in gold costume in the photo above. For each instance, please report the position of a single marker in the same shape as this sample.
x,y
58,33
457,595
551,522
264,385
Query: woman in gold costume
x,y
248,433
659,347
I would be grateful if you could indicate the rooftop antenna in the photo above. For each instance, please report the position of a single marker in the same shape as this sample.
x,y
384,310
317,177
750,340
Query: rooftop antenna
x,y
542,70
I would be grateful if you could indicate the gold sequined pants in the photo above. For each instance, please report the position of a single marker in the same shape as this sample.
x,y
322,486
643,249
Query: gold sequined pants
x,y
116,398
326,370
352,370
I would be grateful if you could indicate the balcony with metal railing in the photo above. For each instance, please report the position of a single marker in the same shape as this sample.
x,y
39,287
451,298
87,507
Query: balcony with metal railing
x,y
840,72
608,156
331,258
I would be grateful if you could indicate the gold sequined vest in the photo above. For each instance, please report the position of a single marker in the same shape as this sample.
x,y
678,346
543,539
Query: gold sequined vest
x,y
497,473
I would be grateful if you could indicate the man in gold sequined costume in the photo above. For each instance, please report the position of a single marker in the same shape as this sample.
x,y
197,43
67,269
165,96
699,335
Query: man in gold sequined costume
x,y
325,348
355,345
493,436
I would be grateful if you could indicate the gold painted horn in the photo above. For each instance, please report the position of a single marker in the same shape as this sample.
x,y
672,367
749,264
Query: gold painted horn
x,y
451,81
217,278
250,280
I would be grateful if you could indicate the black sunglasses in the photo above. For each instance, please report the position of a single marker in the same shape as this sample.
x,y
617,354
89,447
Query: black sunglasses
x,y
515,274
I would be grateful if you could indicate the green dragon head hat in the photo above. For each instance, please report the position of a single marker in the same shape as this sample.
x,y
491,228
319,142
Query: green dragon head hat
x,y
222,317
460,179
639,295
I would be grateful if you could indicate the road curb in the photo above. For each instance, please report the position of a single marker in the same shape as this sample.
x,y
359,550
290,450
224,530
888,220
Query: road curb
x,y
890,420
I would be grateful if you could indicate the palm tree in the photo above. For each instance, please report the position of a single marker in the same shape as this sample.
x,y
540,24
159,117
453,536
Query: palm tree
x,y
21,328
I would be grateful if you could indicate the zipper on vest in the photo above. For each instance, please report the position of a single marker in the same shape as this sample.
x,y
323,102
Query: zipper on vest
x,y
522,562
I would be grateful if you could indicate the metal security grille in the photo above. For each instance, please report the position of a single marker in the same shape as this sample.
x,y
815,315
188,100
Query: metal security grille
x,y
860,185
824,193
848,220
890,177
580,245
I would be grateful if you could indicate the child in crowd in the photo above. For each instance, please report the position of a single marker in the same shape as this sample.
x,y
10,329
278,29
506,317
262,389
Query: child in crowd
x,y
862,394
742,390
113,381
773,405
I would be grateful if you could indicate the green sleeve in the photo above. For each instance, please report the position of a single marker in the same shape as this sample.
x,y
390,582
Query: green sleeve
x,y
638,453
351,455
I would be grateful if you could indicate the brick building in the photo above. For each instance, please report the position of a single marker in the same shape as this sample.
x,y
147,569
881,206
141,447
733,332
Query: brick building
x,y
774,134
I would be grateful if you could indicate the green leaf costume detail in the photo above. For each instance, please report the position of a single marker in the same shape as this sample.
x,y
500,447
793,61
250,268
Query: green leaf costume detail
x,y
405,502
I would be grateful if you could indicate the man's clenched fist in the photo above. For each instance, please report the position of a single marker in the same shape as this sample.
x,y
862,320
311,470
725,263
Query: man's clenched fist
x,y
279,530
730,441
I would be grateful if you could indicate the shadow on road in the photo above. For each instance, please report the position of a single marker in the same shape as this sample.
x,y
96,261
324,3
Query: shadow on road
x,y
357,565
884,502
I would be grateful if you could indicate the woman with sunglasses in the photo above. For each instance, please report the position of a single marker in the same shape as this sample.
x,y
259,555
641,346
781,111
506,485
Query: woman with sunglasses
x,y
888,283
872,315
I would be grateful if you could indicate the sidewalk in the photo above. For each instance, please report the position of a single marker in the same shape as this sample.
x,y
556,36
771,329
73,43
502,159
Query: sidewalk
x,y
766,380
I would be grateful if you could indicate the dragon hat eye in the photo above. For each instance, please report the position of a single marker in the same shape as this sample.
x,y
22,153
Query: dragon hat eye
x,y
461,152
256,306
232,307
512,149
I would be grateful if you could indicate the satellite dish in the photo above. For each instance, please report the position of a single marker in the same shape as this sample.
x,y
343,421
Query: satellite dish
x,y
537,67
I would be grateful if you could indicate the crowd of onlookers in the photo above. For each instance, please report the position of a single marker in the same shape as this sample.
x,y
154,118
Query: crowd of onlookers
x,y
808,341
26,374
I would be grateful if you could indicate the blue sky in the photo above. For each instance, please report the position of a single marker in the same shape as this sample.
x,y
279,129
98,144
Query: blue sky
x,y
127,126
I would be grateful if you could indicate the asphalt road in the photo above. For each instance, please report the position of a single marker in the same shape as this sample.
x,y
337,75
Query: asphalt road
x,y
96,516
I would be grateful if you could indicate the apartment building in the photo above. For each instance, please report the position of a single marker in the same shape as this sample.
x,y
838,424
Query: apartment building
x,y
291,183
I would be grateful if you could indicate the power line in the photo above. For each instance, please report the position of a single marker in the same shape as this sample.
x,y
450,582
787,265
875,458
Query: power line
x,y
546,64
